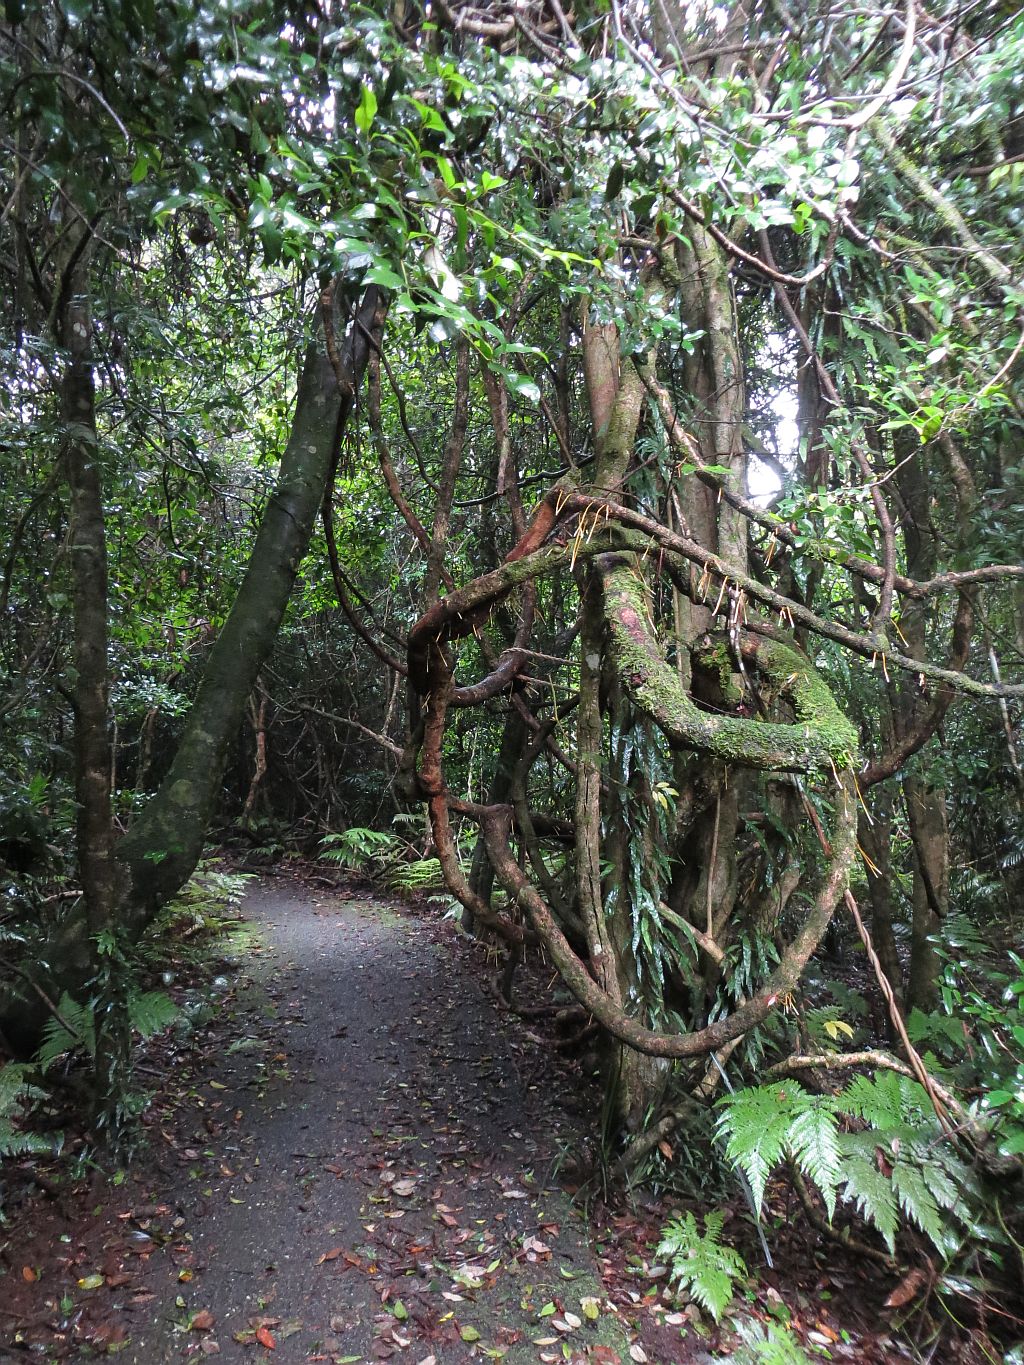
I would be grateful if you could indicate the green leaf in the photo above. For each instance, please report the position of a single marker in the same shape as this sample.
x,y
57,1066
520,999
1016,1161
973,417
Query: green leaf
x,y
520,383
366,111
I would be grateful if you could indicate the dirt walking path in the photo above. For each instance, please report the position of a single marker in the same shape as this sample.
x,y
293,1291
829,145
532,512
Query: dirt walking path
x,y
365,1168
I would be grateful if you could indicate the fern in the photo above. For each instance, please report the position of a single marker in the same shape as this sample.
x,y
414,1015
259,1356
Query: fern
x,y
755,1122
896,1168
882,1102
699,1261
75,1030
768,1345
764,1124
813,1144
15,1091
871,1193
917,1200
357,848
424,875
152,1012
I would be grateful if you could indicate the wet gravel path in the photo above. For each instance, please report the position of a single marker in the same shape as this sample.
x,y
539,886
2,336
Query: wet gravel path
x,y
374,1172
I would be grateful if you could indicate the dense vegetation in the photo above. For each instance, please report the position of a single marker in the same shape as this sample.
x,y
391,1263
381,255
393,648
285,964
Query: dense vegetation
x,y
593,437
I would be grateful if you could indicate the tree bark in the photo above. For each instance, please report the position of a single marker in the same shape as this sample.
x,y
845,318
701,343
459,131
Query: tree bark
x,y
160,852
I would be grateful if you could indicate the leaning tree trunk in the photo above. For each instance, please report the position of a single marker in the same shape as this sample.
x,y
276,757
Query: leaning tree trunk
x,y
161,850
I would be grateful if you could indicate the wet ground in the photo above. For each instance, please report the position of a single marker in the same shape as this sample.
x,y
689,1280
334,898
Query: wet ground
x,y
372,1172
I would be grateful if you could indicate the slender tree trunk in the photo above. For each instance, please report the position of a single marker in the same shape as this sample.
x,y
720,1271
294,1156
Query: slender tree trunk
x,y
97,869
160,852
88,556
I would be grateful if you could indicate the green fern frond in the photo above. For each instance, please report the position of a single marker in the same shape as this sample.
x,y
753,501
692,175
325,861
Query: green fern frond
x,y
880,1101
871,1193
16,1087
75,1030
13,1142
152,1012
917,1201
755,1122
768,1345
764,1124
15,1090
945,1182
701,1264
813,1142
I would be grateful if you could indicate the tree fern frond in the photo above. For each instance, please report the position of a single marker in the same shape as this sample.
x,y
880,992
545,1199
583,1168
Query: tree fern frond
x,y
872,1194
15,1089
813,1143
879,1101
74,1029
767,1345
756,1122
917,1201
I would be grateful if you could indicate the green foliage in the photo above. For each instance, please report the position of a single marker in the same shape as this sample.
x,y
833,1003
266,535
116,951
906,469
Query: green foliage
x,y
74,1031
890,1161
981,999
385,856
205,899
769,1344
763,1125
16,1091
699,1261
359,849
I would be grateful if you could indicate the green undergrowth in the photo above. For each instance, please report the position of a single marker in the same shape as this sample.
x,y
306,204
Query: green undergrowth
x,y
165,982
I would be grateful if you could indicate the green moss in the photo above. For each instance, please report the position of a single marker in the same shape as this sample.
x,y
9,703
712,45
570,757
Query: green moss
x,y
716,659
821,737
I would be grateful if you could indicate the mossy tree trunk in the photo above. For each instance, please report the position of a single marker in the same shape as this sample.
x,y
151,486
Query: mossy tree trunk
x,y
159,853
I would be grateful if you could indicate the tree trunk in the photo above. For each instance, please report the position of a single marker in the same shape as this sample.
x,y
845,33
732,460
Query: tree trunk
x,y
87,547
161,850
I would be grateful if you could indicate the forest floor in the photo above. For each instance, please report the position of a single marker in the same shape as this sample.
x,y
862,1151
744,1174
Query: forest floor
x,y
362,1158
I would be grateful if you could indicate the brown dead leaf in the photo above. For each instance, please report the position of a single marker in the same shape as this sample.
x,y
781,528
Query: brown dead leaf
x,y
265,1338
906,1289
29,1275
202,1321
665,1149
331,1255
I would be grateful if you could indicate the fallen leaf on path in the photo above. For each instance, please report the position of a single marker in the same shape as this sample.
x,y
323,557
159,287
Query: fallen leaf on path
x,y
265,1338
29,1275
90,1282
331,1255
202,1321
404,1187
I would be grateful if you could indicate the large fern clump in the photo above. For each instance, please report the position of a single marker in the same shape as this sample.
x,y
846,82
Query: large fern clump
x,y
875,1147
73,1029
